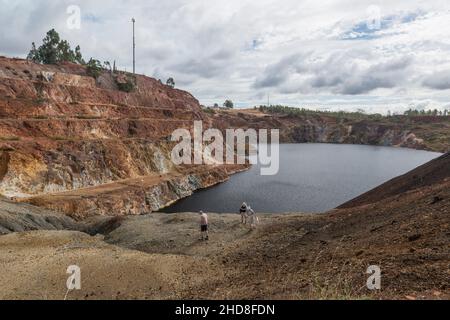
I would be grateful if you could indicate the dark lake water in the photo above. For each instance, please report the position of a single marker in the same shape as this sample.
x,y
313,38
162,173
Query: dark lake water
x,y
312,178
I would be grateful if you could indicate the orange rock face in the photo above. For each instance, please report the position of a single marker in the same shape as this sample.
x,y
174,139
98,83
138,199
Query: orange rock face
x,y
80,145
63,131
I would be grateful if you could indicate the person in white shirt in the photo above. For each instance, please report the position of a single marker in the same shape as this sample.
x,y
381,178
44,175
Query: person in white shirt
x,y
253,219
204,226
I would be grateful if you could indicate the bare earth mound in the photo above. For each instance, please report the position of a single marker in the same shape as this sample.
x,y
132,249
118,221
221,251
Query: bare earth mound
x,y
34,267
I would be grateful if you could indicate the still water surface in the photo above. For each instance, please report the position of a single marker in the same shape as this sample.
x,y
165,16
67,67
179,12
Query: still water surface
x,y
312,178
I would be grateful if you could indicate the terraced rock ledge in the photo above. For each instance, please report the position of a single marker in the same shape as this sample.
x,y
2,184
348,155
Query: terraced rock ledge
x,y
81,146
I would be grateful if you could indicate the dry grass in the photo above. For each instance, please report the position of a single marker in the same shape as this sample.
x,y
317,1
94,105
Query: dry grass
x,y
9,138
88,117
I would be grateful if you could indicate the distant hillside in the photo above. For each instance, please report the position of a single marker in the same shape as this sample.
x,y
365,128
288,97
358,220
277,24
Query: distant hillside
x,y
430,133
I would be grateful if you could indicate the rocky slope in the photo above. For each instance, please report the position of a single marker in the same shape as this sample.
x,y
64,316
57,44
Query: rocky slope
x,y
136,195
63,132
22,217
425,133
81,146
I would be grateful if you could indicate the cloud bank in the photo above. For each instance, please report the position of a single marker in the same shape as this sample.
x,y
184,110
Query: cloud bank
x,y
328,54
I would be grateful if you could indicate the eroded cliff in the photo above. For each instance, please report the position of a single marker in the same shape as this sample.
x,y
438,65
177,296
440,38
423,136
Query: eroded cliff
x,y
80,145
425,133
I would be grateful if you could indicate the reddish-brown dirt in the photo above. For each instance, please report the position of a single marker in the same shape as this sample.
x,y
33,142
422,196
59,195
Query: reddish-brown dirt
x,y
85,148
62,131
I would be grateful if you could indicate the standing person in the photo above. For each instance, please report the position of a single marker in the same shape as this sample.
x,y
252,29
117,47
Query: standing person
x,y
252,217
204,226
243,212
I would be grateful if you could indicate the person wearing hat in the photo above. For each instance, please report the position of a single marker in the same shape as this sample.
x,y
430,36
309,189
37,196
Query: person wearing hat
x,y
243,212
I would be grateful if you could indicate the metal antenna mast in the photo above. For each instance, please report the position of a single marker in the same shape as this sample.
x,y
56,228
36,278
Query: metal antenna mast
x,y
134,47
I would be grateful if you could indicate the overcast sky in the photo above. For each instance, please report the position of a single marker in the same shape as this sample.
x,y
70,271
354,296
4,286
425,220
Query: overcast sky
x,y
375,55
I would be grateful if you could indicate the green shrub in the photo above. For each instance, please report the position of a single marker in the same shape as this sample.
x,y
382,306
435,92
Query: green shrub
x,y
87,117
58,138
40,117
94,68
209,110
126,87
126,83
54,50
228,104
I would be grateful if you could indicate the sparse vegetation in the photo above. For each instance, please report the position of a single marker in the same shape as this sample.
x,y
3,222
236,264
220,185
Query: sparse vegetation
x,y
61,138
94,68
300,112
360,114
434,113
40,117
9,138
54,50
88,117
228,104
209,110
171,82
107,66
126,82
40,101
6,149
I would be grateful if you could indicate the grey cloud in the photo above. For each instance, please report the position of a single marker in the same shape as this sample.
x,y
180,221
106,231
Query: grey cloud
x,y
246,49
222,54
438,81
277,73
340,73
271,80
205,69
365,84
389,74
